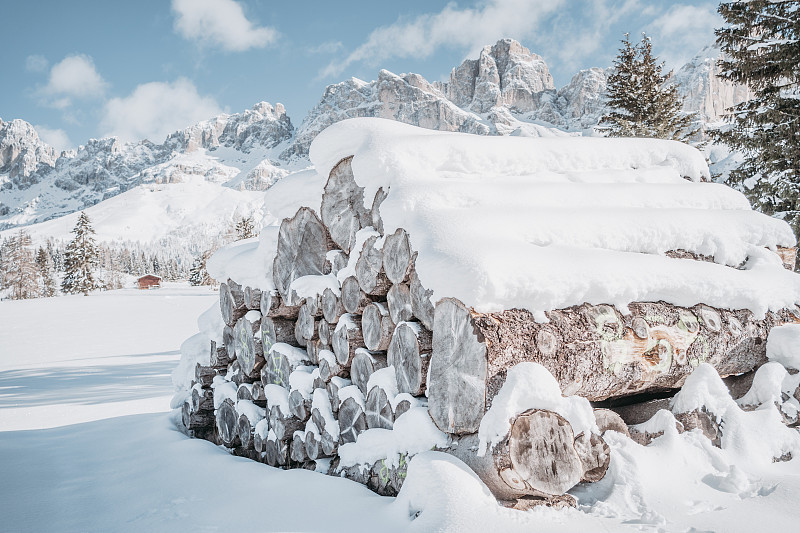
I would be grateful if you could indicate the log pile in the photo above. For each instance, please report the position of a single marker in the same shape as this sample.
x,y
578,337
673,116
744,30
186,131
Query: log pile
x,y
295,378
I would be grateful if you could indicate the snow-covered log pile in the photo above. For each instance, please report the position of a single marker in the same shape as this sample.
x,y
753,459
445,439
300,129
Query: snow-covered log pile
x,y
473,295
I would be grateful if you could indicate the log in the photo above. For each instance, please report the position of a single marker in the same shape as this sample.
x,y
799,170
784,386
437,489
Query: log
x,y
245,392
227,419
282,360
333,387
329,367
369,269
342,209
398,300
277,452
608,420
536,458
379,411
196,419
259,439
312,441
364,365
352,420
315,346
304,328
354,300
204,375
275,330
324,332
249,351
323,418
592,351
377,327
297,451
244,429
398,259
236,375
347,338
231,302
595,456
410,354
335,260
332,307
272,305
375,219
202,400
788,257
401,408
219,355
252,298
303,243
257,392
228,342
421,305
299,406
283,424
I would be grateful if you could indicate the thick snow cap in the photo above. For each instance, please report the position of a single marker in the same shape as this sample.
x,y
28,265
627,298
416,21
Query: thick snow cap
x,y
547,223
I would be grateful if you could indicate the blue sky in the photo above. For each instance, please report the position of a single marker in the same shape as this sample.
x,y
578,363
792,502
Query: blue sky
x,y
92,68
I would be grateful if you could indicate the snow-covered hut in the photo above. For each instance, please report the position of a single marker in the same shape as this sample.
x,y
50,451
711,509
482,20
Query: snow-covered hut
x,y
440,262
148,281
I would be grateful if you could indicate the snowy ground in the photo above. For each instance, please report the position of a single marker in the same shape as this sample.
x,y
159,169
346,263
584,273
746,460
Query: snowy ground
x,y
88,444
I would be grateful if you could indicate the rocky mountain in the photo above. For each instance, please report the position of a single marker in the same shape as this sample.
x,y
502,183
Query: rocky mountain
x,y
507,90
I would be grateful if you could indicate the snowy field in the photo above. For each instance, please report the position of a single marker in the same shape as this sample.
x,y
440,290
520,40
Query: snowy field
x,y
88,444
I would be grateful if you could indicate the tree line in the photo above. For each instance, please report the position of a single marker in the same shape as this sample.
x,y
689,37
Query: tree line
x,y
83,265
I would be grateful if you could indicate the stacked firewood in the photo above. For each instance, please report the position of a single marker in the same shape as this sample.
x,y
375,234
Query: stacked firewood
x,y
349,340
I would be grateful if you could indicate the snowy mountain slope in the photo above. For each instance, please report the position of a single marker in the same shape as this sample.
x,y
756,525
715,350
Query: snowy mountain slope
x,y
507,90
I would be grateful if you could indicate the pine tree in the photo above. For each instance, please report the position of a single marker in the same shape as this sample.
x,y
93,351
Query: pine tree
x,y
47,281
642,103
81,259
198,275
762,42
20,274
245,228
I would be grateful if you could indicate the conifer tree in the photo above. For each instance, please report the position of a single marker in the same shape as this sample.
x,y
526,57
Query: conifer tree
x,y
762,42
642,103
81,259
47,281
198,275
245,228
20,274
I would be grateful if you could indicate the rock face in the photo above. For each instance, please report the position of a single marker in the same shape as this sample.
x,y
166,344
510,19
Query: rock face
x,y
507,90
703,91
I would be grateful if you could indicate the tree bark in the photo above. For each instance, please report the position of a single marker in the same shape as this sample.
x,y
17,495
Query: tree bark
x,y
593,351
204,375
275,330
219,356
303,242
202,400
369,269
329,367
281,361
252,298
421,305
410,353
196,419
283,424
364,365
272,306
277,452
377,327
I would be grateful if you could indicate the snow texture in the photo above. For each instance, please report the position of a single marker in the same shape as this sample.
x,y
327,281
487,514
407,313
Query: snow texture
x,y
312,286
546,223
413,432
783,345
531,386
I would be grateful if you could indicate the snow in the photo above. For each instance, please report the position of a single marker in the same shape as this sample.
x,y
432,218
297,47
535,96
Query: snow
x,y
783,345
223,390
352,391
86,433
301,379
322,403
413,432
312,286
546,223
253,412
531,386
767,386
277,395
385,379
293,355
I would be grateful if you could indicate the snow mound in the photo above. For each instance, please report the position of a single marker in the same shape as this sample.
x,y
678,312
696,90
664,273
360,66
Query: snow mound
x,y
546,223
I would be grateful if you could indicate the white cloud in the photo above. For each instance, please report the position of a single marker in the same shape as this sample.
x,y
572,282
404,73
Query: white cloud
x,y
36,63
468,28
154,110
74,77
220,22
681,31
56,138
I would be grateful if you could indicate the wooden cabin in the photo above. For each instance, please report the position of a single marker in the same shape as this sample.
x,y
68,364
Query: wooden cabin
x,y
149,282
